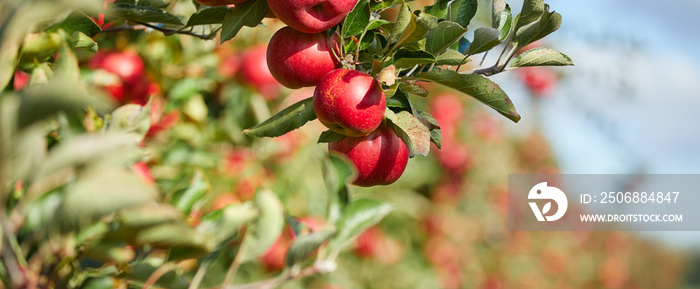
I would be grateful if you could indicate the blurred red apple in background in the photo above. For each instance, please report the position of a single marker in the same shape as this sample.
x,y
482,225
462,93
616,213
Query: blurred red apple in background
x,y
254,71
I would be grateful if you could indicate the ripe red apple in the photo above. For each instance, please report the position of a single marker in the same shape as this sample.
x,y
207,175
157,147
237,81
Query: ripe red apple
x,y
215,3
380,157
127,65
539,80
349,102
21,80
298,59
311,16
254,71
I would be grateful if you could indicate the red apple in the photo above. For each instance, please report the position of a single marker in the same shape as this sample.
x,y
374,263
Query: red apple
x,y
21,80
311,16
380,157
349,102
127,65
448,111
254,71
215,3
298,59
539,80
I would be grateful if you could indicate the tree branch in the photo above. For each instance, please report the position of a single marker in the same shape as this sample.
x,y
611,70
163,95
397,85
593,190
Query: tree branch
x,y
165,31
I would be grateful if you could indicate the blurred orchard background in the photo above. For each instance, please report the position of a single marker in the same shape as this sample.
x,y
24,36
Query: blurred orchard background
x,y
626,107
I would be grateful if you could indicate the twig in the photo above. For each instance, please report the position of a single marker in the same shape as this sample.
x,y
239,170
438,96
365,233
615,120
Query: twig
x,y
317,268
165,31
162,270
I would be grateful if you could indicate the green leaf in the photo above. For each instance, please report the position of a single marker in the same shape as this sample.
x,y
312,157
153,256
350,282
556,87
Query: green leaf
x,y
172,235
541,57
27,152
478,87
337,171
465,12
435,132
330,136
497,7
40,46
358,216
439,9
532,10
100,192
398,102
485,38
143,14
451,57
86,149
60,94
403,20
213,15
374,23
132,119
442,37
248,13
289,119
149,215
413,88
503,21
417,29
357,20
223,224
77,22
158,4
264,232
407,59
304,245
198,188
413,132
534,31
67,63
82,41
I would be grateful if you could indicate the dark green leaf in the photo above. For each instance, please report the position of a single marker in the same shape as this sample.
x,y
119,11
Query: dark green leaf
x,y
478,87
158,4
337,171
100,192
143,14
413,132
541,57
403,20
374,23
289,119
435,132
330,136
77,22
446,34
358,19
532,10
413,88
534,31
358,216
465,12
213,15
407,59
503,21
439,9
398,102
451,57
264,232
417,29
485,38
304,245
248,13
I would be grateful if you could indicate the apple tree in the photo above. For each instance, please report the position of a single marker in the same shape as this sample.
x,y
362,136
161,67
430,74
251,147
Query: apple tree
x,y
111,138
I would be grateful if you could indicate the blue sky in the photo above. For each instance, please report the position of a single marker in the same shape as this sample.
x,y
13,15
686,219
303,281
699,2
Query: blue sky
x,y
630,103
